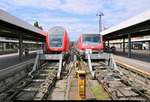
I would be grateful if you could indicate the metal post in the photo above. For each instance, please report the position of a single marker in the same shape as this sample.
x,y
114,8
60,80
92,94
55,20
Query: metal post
x,y
104,43
20,47
90,66
60,66
74,58
108,43
149,45
120,46
123,45
100,21
129,45
3,46
35,66
100,25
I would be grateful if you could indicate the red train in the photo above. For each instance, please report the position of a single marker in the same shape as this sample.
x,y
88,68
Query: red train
x,y
57,40
90,41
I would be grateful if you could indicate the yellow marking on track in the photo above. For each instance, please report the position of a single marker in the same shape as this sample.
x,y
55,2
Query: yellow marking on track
x,y
130,67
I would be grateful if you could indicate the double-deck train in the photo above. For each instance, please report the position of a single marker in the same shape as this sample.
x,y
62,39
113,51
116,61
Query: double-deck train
x,y
57,40
94,42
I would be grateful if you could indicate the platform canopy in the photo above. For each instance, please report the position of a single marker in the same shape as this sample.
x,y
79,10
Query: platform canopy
x,y
136,26
12,27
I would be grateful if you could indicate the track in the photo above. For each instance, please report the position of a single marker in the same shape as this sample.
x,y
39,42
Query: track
x,y
37,86
139,79
72,90
133,69
122,85
32,87
12,75
93,89
67,87
61,86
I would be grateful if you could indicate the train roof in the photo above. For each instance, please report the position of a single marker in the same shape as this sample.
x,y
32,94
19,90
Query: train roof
x,y
56,30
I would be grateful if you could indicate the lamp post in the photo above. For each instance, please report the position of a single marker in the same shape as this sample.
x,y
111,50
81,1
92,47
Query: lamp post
x,y
100,14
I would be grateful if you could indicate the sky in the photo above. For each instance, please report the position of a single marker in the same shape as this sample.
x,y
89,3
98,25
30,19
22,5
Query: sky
x,y
76,16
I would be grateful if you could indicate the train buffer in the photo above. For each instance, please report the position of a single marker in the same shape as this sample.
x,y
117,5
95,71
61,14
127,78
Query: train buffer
x,y
48,57
107,58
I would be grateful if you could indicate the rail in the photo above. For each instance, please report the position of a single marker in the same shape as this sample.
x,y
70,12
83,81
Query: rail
x,y
35,64
105,57
132,68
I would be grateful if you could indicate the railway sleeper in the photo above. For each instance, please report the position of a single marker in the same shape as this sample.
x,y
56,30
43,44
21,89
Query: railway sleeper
x,y
14,88
19,90
126,92
39,92
38,80
120,86
13,96
7,83
10,94
141,93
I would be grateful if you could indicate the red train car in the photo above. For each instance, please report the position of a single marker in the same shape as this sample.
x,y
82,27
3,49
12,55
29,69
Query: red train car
x,y
57,40
90,41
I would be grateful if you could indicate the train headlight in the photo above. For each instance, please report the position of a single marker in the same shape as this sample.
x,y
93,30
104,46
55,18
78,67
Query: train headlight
x,y
88,51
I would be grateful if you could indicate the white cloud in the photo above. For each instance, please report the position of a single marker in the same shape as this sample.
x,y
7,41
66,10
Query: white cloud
x,y
71,6
124,9
50,4
74,26
120,9
82,6
115,11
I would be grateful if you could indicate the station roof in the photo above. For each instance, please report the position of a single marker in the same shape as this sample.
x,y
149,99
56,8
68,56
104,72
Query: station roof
x,y
136,26
12,27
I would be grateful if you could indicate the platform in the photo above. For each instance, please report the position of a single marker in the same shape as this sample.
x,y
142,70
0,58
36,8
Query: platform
x,y
12,59
141,65
142,55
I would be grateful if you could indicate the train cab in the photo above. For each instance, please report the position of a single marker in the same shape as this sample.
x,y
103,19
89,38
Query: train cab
x,y
57,40
93,42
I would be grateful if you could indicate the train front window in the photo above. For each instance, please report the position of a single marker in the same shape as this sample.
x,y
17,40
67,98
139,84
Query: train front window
x,y
56,40
91,39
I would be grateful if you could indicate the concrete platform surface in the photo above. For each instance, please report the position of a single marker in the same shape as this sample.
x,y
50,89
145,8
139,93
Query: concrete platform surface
x,y
13,59
142,65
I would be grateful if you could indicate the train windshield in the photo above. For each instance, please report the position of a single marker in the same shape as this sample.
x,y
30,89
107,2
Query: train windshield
x,y
91,39
56,40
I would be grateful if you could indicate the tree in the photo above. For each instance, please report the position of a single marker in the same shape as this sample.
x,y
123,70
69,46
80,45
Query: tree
x,y
36,24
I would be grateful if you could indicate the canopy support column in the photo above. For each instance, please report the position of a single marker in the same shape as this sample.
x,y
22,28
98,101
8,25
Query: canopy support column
x,y
20,46
129,45
123,45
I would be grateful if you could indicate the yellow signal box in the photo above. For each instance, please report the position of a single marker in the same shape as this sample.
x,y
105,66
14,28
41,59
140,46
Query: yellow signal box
x,y
81,75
